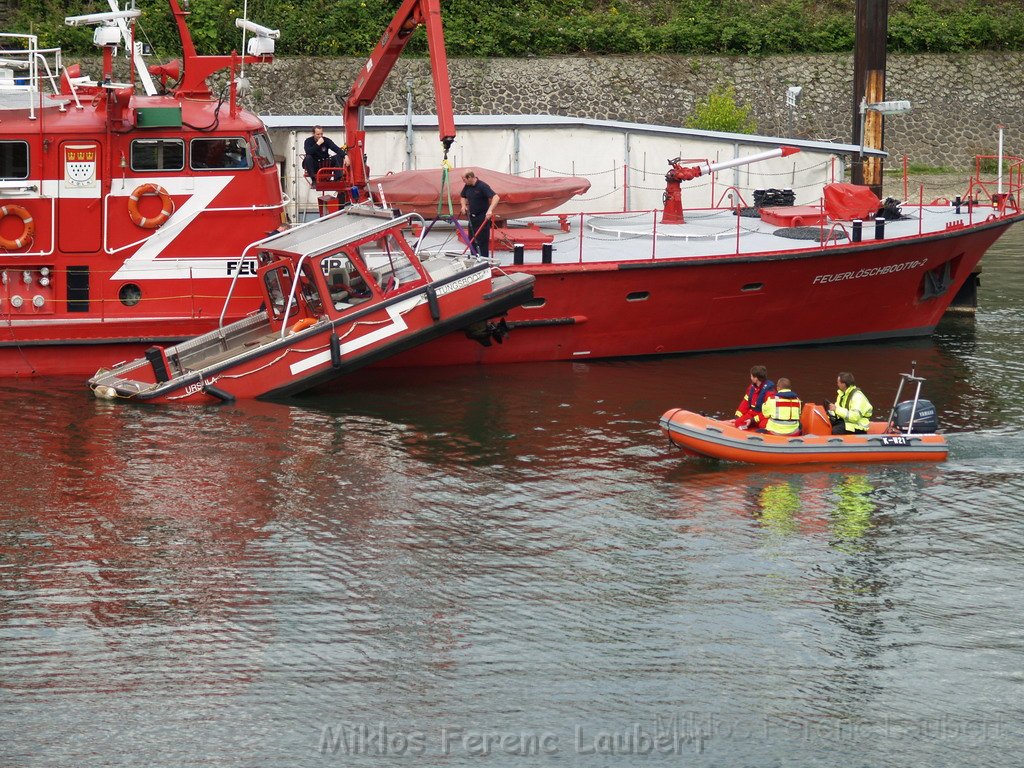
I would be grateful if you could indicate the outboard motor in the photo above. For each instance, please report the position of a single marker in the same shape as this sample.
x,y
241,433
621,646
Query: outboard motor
x,y
915,416
925,419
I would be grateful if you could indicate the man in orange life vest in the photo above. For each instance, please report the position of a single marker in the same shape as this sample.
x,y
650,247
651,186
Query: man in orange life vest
x,y
748,412
782,409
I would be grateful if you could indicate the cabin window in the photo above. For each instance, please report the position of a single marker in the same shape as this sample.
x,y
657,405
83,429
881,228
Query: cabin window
x,y
308,289
158,154
219,154
279,285
388,263
264,150
13,159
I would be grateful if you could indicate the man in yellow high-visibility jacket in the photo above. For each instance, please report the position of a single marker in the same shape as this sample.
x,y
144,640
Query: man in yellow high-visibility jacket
x,y
782,410
851,412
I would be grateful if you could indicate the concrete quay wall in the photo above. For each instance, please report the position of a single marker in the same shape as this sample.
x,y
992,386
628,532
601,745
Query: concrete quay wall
x,y
958,100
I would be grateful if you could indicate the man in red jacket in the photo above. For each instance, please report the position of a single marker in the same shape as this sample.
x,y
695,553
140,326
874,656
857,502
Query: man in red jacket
x,y
748,412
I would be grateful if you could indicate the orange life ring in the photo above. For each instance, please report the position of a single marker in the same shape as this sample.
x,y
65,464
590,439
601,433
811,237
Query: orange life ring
x,y
154,221
28,227
303,324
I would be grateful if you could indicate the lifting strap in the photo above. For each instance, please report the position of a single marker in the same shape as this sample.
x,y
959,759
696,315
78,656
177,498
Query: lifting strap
x,y
446,187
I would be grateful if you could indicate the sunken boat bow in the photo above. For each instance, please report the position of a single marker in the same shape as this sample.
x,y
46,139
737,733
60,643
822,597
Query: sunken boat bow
x,y
339,293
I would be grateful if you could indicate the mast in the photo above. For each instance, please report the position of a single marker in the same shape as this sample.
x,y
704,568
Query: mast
x,y
869,87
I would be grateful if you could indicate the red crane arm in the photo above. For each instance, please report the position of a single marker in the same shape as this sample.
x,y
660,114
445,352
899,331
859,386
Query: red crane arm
x,y
411,14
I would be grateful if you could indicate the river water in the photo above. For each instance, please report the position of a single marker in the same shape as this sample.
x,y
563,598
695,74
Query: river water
x,y
510,566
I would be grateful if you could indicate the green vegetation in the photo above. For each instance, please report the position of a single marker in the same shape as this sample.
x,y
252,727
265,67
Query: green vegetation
x,y
721,113
917,169
551,27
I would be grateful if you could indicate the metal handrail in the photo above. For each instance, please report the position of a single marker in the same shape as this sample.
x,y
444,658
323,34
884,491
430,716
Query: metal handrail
x,y
904,378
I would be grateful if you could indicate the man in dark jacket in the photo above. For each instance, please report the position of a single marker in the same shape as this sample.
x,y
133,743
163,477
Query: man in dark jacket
x,y
318,149
480,199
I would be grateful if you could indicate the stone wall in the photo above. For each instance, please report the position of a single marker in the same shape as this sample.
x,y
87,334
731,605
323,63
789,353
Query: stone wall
x,y
958,100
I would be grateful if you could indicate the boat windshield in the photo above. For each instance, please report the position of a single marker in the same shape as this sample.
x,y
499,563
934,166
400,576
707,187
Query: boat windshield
x,y
389,262
263,150
309,291
278,284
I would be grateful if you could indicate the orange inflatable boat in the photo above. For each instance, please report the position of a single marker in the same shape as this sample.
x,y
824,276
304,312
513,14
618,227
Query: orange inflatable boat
x,y
895,440
703,436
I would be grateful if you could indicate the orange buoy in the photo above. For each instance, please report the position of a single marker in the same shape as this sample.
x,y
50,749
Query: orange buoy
x,y
28,227
167,206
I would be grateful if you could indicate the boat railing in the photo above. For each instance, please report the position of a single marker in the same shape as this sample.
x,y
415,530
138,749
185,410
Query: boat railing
x,y
292,301
23,65
181,218
1003,192
943,214
904,378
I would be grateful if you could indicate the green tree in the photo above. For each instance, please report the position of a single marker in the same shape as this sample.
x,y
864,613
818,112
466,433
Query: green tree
x,y
721,112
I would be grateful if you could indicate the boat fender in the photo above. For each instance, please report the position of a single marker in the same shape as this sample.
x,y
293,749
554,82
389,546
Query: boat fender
x,y
303,324
103,392
153,222
335,351
28,227
220,394
432,303
158,360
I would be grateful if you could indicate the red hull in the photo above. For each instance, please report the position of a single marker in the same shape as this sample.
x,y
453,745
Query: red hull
x,y
592,310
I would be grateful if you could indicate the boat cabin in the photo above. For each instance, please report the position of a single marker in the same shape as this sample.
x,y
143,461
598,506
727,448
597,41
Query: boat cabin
x,y
334,265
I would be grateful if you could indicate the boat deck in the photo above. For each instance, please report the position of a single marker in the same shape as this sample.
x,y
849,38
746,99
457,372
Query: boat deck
x,y
640,236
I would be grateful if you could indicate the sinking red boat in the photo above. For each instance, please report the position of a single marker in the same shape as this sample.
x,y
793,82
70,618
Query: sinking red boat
x,y
908,436
338,293
421,191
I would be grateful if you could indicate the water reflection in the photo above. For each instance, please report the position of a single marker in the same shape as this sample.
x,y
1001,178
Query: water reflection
x,y
851,518
778,507
504,550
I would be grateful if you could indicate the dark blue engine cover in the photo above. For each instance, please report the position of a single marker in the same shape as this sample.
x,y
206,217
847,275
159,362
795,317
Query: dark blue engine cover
x,y
925,418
